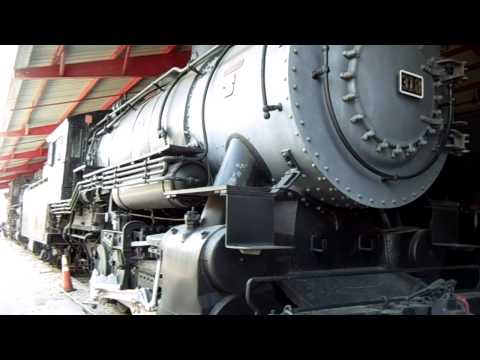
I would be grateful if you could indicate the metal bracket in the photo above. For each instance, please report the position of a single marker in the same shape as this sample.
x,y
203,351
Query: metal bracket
x,y
286,181
162,133
436,122
290,175
453,70
318,245
366,244
318,73
194,69
459,143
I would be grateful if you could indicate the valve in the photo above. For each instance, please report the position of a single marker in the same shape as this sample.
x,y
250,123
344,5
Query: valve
x,y
192,219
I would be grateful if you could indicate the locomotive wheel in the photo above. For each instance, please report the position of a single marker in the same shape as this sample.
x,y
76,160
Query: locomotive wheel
x,y
122,308
422,253
42,254
117,266
231,305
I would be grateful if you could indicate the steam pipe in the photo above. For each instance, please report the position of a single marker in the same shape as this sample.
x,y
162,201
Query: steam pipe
x,y
236,170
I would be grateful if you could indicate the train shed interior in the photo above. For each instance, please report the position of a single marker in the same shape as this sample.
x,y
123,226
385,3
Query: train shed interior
x,y
53,83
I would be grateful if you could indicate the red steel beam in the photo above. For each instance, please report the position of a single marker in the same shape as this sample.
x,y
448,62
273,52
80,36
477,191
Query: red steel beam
x,y
8,178
86,90
61,68
58,54
4,185
13,177
126,57
25,155
169,49
133,82
139,66
26,131
119,51
126,88
21,169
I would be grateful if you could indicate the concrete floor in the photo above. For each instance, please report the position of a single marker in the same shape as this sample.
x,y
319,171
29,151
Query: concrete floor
x,y
29,286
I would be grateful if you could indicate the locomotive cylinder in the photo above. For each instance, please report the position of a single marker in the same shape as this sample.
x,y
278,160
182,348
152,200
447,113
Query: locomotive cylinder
x,y
152,196
338,123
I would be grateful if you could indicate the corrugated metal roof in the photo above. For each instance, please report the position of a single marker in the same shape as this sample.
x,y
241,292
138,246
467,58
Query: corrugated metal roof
x,y
53,98
61,91
83,53
24,55
42,55
24,99
142,50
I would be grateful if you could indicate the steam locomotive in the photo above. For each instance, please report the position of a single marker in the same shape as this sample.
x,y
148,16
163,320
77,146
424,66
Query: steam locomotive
x,y
268,179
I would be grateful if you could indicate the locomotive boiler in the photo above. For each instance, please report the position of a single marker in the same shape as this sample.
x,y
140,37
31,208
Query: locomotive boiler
x,y
264,178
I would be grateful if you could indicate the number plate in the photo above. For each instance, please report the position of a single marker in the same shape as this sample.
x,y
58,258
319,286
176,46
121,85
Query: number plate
x,y
411,84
